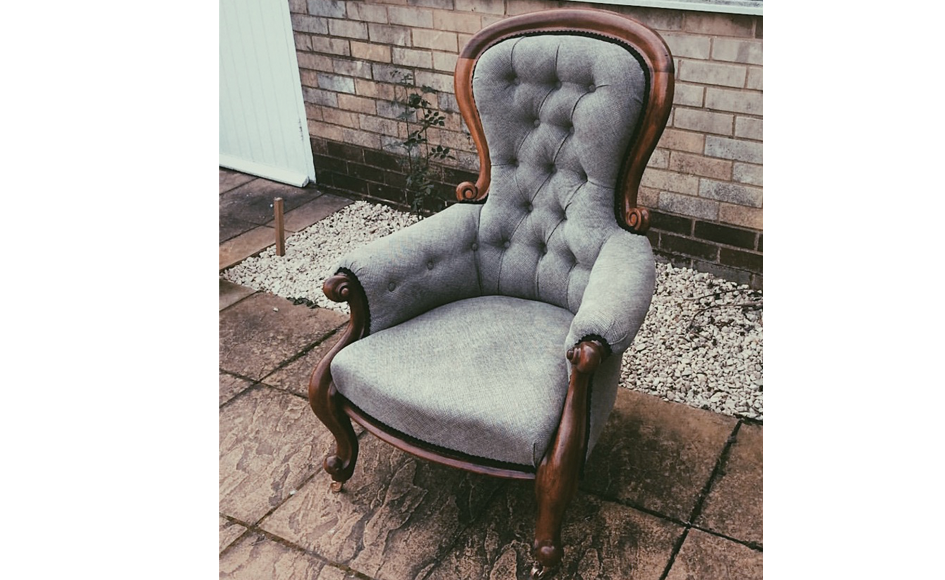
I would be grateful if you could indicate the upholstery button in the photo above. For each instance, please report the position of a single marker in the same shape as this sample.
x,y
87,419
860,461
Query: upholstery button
x,y
591,88
475,246
506,244
570,129
543,248
391,286
536,122
516,81
528,207
558,84
430,265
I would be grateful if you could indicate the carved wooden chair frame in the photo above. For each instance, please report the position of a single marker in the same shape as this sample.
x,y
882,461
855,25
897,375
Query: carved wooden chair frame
x,y
556,478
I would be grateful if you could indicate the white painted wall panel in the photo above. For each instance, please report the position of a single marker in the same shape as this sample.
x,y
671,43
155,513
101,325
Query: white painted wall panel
x,y
263,129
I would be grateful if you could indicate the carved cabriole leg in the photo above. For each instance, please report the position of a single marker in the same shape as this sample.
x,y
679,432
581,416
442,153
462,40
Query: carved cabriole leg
x,y
556,480
322,395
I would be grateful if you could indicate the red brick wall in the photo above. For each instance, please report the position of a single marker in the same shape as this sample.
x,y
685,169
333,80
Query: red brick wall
x,y
703,184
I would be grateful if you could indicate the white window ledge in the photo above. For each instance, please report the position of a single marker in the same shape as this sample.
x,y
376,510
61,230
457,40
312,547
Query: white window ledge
x,y
753,7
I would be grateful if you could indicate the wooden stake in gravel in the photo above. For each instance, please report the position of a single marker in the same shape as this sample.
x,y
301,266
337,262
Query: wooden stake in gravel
x,y
280,226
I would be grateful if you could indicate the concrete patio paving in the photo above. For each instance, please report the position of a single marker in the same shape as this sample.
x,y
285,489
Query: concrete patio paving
x,y
670,492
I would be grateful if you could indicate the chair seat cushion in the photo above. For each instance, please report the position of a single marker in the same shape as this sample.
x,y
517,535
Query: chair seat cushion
x,y
484,376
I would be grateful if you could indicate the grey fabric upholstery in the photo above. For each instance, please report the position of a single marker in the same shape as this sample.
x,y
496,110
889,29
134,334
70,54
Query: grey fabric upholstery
x,y
418,268
473,309
492,382
558,113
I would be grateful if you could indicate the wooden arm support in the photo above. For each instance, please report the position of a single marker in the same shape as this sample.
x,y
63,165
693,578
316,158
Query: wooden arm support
x,y
322,395
556,481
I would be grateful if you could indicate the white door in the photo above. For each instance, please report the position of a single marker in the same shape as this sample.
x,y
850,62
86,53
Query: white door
x,y
263,129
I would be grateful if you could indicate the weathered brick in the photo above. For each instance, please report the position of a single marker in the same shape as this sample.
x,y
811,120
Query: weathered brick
x,y
351,68
336,83
749,128
326,131
725,272
689,247
298,7
382,160
410,16
516,7
310,24
737,150
389,74
319,97
736,101
339,117
670,181
703,121
313,61
389,109
363,12
349,184
389,34
313,112
356,104
741,259
347,28
692,164
725,235
648,197
438,81
466,22
682,140
688,205
712,73
329,8
333,46
411,57
366,172
688,95
688,45
445,61
374,90
345,151
309,79
747,173
379,125
657,18
755,79
435,39
719,24
362,138
736,50
730,192
444,4
485,6
302,41
659,159
671,223
447,103
739,215
368,51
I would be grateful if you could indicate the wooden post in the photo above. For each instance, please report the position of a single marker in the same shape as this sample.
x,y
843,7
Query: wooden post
x,y
280,227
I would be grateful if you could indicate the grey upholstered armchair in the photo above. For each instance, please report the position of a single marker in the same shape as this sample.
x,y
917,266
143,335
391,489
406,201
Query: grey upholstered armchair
x,y
489,336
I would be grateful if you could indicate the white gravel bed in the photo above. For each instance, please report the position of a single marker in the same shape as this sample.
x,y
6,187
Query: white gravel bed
x,y
701,342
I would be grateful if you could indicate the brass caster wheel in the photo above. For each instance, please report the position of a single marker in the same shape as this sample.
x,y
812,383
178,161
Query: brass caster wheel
x,y
336,486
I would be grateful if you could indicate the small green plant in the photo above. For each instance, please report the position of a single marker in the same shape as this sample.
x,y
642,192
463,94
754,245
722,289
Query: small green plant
x,y
419,116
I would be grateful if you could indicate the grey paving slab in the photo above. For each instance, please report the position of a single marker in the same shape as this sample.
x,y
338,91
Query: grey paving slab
x,y
230,386
704,556
395,518
734,505
256,557
602,540
235,250
230,179
270,443
230,227
229,531
263,331
253,201
294,376
656,454
231,293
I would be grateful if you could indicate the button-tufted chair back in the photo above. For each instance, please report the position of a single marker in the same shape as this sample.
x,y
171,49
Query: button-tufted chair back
x,y
558,112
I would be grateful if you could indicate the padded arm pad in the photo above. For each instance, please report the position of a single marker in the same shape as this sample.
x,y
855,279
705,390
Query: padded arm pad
x,y
428,264
618,293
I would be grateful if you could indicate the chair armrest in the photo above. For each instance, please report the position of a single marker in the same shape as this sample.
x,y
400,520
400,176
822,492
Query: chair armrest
x,y
425,265
618,293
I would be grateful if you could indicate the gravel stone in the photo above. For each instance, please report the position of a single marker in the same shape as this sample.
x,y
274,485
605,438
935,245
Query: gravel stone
x,y
701,343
